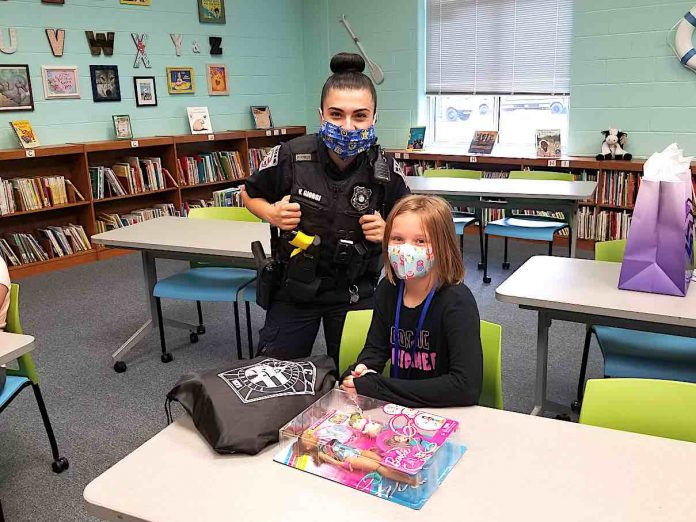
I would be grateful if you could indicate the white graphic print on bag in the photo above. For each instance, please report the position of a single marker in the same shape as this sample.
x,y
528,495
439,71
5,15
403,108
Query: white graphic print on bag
x,y
271,159
271,378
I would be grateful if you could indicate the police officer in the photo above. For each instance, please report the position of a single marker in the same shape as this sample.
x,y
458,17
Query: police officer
x,y
328,195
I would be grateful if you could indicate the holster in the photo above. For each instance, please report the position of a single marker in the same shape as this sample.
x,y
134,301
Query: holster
x,y
301,278
267,276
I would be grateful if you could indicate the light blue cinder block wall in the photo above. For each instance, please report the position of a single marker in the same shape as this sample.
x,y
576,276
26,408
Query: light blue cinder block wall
x,y
624,75
389,30
262,44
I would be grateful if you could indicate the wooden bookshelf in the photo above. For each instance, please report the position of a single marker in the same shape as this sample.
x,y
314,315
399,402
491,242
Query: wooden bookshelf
x,y
72,160
605,171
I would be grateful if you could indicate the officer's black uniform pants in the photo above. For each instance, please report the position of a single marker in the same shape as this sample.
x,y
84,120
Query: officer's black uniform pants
x,y
291,328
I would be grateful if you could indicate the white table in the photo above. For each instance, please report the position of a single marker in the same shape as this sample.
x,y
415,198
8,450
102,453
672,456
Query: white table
x,y
516,468
586,291
551,195
14,345
218,241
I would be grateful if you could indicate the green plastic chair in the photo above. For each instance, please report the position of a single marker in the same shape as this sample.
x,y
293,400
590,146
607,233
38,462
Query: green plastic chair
x,y
611,251
24,377
210,282
355,334
461,219
452,173
648,406
535,228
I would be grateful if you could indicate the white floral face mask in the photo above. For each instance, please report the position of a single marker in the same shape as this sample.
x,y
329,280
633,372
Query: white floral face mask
x,y
410,261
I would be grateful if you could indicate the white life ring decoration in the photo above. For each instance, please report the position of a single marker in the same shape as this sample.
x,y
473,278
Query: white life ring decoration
x,y
684,47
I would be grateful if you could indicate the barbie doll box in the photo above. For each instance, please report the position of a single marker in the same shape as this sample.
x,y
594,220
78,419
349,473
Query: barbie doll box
x,y
392,452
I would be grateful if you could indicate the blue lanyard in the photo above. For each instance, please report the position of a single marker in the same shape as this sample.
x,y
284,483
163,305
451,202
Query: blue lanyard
x,y
419,327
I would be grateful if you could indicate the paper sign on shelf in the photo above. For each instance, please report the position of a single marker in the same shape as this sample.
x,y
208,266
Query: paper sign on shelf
x,y
30,153
211,137
552,163
268,133
565,163
473,159
276,132
405,156
283,131
397,155
134,143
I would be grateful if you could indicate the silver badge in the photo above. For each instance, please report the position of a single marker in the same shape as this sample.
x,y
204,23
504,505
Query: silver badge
x,y
361,198
271,378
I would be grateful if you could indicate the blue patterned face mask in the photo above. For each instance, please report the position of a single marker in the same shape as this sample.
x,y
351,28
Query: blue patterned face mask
x,y
346,143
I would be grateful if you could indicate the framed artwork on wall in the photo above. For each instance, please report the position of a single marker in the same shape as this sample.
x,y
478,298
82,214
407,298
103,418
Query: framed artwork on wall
x,y
180,80
15,88
145,91
211,11
60,81
105,84
218,83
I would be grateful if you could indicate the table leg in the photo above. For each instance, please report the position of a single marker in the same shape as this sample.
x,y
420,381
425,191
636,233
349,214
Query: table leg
x,y
574,230
150,273
541,363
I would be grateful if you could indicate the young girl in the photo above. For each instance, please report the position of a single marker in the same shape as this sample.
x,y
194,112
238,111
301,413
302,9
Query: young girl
x,y
425,320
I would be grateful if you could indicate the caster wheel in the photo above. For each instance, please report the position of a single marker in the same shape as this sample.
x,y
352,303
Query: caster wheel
x,y
201,329
506,266
486,279
575,406
563,417
167,357
119,367
193,337
60,465
480,266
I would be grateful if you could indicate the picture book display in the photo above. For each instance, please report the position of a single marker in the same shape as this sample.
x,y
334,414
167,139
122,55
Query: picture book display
x,y
389,451
548,143
416,138
199,120
483,142
262,116
25,133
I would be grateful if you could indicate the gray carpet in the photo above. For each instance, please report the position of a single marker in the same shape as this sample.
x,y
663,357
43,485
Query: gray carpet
x,y
80,316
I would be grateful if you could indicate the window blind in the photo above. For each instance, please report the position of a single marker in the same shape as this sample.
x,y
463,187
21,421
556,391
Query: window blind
x,y
498,46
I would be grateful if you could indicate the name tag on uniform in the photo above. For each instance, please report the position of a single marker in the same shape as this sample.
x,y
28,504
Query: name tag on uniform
x,y
303,157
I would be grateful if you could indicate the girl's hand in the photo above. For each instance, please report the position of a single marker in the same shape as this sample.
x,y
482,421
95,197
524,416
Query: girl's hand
x,y
373,227
348,385
359,370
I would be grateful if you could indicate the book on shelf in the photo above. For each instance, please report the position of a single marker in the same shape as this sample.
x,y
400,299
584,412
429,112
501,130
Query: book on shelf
x,y
416,138
483,142
25,133
618,188
22,194
603,226
47,243
195,203
132,176
199,120
257,155
229,197
110,221
209,167
548,143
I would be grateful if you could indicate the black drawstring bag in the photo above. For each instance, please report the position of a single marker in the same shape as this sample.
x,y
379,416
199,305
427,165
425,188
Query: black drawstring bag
x,y
240,408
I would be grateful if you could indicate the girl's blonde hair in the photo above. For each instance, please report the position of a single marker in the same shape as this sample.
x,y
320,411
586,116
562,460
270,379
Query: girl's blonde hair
x,y
436,217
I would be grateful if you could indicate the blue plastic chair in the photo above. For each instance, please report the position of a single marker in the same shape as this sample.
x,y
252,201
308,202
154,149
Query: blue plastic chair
x,y
26,376
205,282
518,226
632,353
461,219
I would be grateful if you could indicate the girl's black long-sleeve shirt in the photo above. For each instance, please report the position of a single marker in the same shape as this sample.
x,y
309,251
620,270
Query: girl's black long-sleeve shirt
x,y
446,366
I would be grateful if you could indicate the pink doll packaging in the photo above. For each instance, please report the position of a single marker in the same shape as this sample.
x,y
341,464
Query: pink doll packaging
x,y
397,453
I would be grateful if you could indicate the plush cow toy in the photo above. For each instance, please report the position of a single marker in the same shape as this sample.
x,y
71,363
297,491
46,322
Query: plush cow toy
x,y
614,139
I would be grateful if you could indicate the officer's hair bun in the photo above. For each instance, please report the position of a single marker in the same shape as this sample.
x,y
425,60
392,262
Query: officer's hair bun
x,y
347,62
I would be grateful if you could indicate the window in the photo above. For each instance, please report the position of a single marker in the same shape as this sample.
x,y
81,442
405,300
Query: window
x,y
498,65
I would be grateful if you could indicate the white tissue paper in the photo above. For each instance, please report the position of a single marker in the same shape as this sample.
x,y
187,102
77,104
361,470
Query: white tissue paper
x,y
668,165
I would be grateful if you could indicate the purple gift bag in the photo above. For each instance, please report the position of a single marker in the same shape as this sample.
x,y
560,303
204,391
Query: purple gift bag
x,y
659,254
